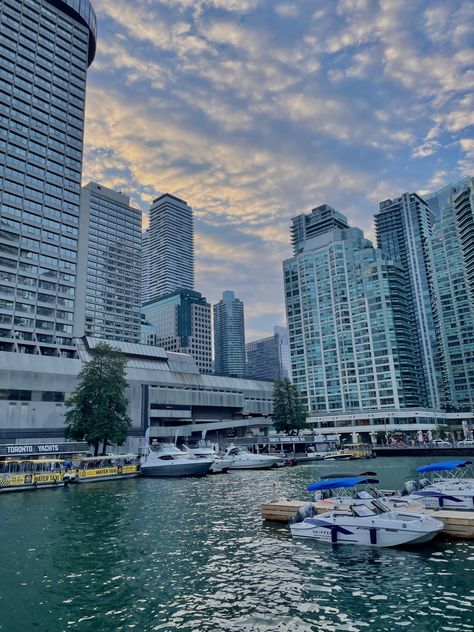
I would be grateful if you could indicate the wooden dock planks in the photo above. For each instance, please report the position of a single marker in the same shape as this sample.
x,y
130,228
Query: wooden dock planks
x,y
457,524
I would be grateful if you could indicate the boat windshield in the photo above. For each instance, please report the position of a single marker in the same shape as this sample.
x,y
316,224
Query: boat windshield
x,y
165,448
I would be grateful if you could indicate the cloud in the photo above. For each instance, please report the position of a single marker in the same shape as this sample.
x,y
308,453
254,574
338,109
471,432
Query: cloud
x,y
255,111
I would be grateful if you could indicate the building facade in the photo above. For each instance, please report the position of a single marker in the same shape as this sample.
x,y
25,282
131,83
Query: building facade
x,y
170,247
464,214
108,273
145,267
165,390
229,336
403,227
349,333
453,311
182,323
268,358
45,49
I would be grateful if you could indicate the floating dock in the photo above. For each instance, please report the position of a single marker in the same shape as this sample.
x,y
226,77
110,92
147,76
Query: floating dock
x,y
457,524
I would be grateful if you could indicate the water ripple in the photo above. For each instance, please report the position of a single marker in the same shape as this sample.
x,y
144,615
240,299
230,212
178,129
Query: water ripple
x,y
193,555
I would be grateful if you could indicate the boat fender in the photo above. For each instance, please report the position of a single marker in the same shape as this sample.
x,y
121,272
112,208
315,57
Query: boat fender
x,y
334,534
373,535
440,501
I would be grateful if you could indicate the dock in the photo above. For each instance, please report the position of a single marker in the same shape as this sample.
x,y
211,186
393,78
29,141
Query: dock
x,y
457,524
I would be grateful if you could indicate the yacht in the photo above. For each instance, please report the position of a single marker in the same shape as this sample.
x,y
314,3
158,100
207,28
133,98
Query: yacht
x,y
243,459
165,459
368,522
220,464
448,487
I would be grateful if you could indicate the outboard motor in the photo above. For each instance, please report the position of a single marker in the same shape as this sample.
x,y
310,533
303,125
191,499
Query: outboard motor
x,y
410,487
424,482
303,512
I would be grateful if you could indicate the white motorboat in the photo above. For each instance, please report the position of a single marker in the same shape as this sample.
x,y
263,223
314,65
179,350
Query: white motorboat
x,y
366,522
165,459
337,456
220,464
449,487
349,490
243,459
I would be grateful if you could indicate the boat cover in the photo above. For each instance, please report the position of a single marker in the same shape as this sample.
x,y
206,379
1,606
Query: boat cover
x,y
443,465
341,482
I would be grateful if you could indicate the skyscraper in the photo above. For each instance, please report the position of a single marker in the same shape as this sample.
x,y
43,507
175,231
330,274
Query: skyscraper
x,y
229,336
46,47
268,358
182,323
452,309
464,213
348,328
108,273
170,247
145,266
403,227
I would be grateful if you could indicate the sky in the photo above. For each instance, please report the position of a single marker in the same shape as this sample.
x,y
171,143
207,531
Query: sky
x,y
254,111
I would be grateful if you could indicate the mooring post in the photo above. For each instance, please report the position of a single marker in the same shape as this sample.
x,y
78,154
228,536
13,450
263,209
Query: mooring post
x,y
274,496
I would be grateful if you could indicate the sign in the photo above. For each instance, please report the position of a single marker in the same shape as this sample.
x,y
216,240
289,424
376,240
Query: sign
x,y
30,449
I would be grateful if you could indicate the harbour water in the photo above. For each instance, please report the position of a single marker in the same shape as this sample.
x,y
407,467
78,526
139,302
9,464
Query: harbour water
x,y
193,554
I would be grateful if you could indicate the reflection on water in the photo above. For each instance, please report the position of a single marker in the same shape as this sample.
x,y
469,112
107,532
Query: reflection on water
x,y
193,555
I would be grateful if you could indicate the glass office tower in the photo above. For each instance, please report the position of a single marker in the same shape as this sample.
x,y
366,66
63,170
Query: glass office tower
x,y
46,47
348,322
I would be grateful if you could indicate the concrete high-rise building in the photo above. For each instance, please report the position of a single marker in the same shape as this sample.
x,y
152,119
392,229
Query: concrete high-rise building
x,y
464,214
347,311
229,336
145,266
108,273
268,358
403,227
46,47
182,323
452,308
170,247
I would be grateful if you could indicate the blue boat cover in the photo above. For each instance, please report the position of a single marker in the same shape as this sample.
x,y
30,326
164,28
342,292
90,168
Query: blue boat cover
x,y
335,483
443,465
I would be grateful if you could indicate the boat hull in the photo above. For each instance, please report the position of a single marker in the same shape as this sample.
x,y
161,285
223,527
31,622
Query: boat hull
x,y
250,464
173,468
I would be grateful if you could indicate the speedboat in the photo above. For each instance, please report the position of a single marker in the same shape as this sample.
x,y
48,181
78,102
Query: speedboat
x,y
243,459
363,521
165,459
330,497
220,464
448,487
337,456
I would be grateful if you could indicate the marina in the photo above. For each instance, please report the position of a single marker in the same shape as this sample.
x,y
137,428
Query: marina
x,y
194,554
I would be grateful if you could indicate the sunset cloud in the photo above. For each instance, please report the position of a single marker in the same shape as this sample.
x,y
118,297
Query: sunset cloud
x,y
255,110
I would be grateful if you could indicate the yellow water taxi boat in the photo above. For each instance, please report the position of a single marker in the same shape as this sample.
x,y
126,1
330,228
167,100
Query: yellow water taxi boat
x,y
22,474
101,468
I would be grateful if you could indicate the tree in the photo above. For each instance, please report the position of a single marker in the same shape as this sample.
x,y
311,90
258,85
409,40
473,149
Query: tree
x,y
289,413
98,407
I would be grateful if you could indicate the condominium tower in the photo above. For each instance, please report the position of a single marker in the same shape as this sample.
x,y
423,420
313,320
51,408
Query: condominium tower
x,y
464,214
229,336
169,248
452,304
347,315
46,47
403,227
108,275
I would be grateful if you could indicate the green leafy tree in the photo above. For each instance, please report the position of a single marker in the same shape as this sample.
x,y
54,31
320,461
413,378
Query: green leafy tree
x,y
289,412
98,407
